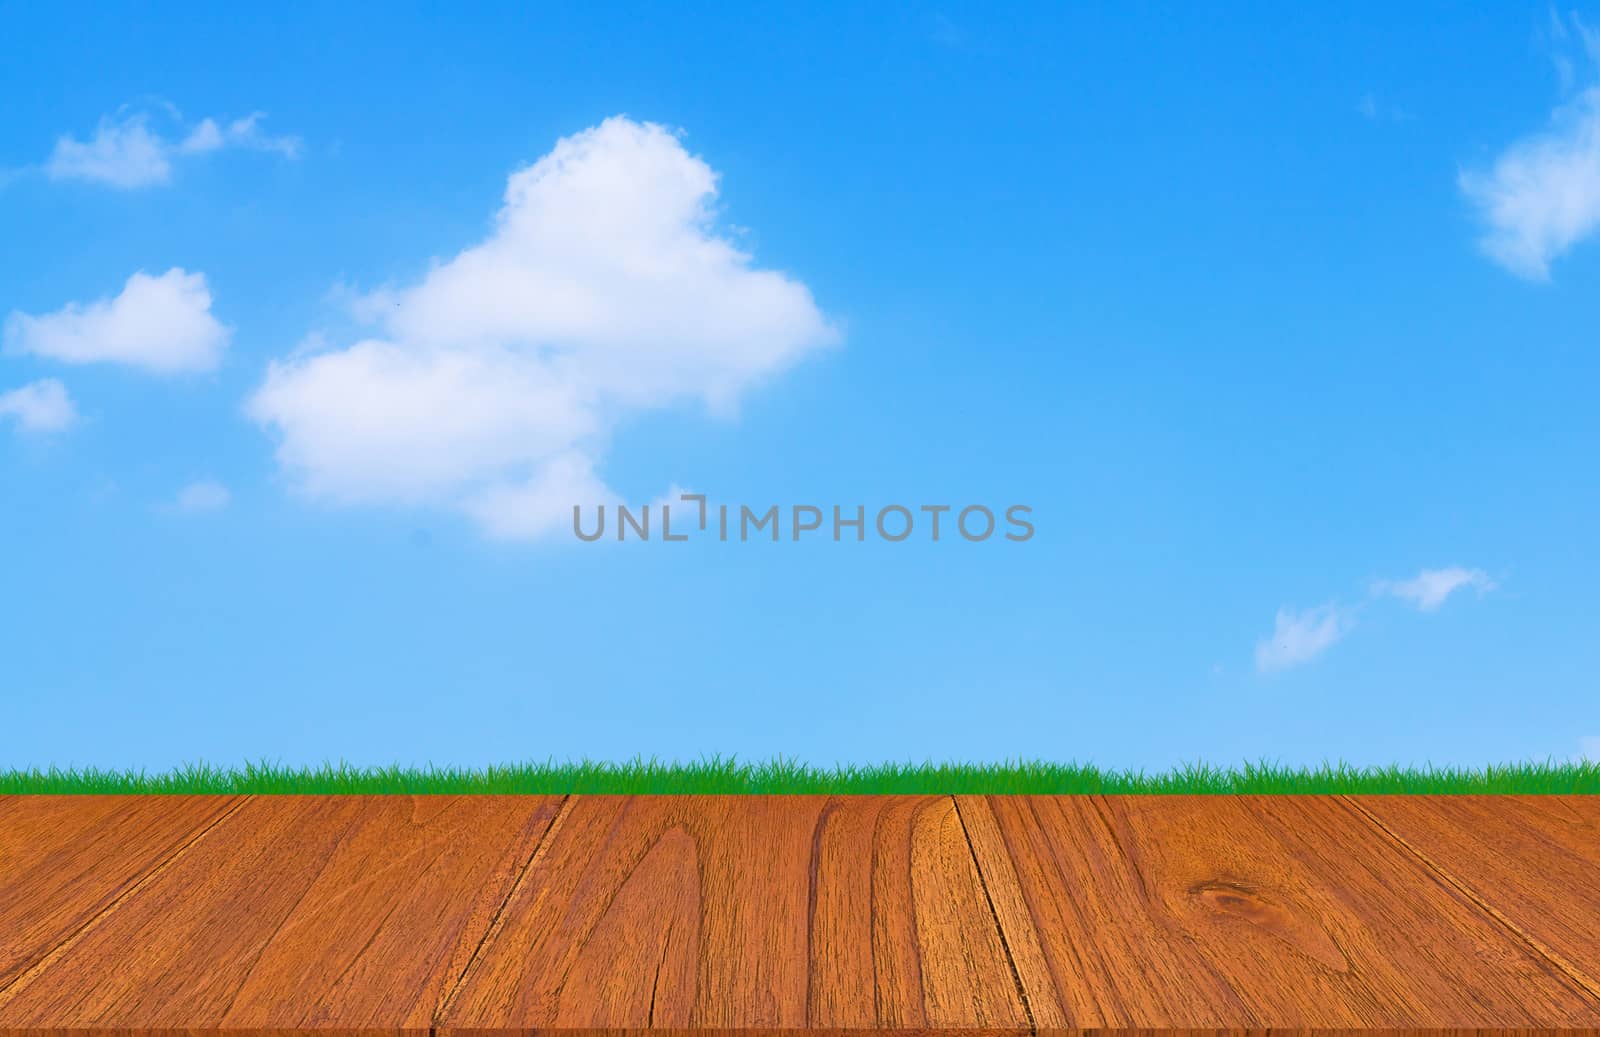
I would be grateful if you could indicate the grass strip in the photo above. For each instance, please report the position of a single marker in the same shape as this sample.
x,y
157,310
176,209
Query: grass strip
x,y
729,776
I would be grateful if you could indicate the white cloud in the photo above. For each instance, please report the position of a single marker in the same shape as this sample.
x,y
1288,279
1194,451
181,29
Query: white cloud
x,y
385,423
603,290
123,154
209,135
41,406
1587,36
207,495
542,504
1541,196
1589,748
126,153
1299,637
1430,587
1378,110
162,324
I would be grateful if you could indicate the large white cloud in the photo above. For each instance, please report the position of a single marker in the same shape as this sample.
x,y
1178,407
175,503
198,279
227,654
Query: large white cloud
x,y
1542,195
126,152
162,324
384,422
542,503
42,406
603,290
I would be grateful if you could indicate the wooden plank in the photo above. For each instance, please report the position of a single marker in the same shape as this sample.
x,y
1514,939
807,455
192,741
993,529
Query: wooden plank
x,y
333,913
1178,913
65,859
746,913
1533,861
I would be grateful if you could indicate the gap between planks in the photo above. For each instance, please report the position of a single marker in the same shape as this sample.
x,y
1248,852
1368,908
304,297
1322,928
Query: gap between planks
x,y
1005,943
26,976
497,919
1449,880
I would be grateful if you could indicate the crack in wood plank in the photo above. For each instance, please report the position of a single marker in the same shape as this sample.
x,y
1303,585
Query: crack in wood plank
x,y
1005,943
1565,967
496,920
26,976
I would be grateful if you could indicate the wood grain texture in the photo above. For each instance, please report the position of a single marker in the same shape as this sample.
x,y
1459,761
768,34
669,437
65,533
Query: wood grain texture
x,y
581,916
1239,913
750,914
328,913
65,859
1533,861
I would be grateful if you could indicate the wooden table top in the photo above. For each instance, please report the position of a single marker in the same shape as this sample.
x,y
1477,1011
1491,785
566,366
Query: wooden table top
x,y
850,915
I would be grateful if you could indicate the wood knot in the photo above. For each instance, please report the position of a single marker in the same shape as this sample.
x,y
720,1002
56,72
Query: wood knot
x,y
1254,907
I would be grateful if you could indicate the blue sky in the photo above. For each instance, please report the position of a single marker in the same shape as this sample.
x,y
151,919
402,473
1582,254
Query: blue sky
x,y
1282,322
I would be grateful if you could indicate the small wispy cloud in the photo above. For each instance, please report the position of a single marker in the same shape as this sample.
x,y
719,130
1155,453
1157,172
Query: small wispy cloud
x,y
1572,41
1299,637
1589,748
944,31
1541,196
126,152
42,406
1377,110
210,135
1431,587
202,497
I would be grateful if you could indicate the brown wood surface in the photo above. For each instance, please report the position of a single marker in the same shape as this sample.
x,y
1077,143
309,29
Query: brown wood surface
x,y
855,915
64,859
295,913
1532,861
735,913
1246,912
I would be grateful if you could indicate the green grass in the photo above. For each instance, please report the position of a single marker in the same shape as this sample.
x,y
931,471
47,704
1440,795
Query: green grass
x,y
728,776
